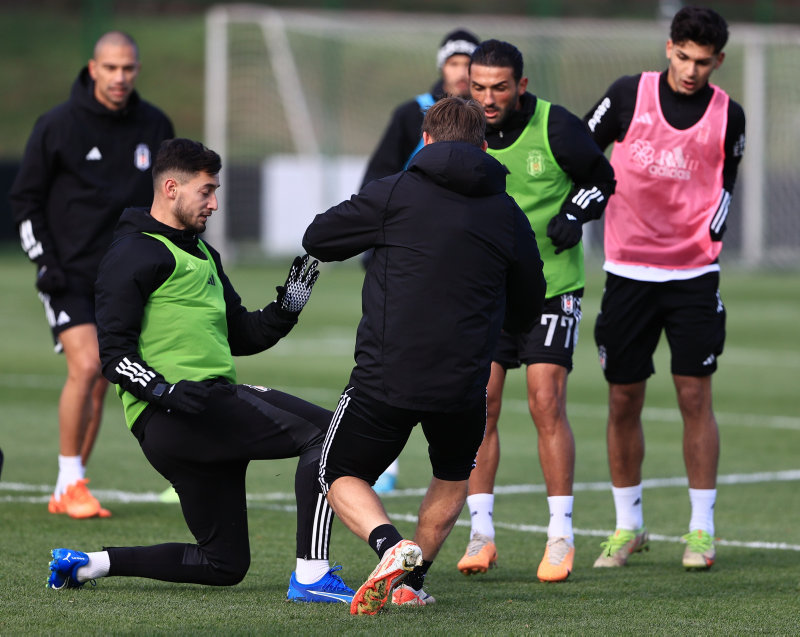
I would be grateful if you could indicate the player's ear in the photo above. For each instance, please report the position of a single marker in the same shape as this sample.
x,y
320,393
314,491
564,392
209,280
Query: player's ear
x,y
169,188
720,59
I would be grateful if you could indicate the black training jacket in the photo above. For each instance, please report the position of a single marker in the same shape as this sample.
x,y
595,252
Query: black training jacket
x,y
453,256
83,165
135,266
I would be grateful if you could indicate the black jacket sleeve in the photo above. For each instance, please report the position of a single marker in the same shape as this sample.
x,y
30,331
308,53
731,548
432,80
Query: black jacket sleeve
x,y
347,229
251,332
581,158
130,272
28,197
525,282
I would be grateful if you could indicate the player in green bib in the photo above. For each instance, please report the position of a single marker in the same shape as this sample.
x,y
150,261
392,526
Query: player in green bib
x,y
169,323
560,179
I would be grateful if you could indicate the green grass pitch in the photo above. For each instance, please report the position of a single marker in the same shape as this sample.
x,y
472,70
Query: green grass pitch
x,y
753,588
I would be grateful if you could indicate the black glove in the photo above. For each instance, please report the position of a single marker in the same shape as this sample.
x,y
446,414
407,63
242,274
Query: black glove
x,y
187,396
294,294
50,279
565,230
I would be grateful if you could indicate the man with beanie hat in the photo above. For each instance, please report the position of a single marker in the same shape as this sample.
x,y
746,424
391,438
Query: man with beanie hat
x,y
402,138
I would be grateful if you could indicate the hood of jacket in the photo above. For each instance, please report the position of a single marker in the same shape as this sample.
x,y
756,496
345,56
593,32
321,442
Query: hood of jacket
x,y
138,220
82,96
462,168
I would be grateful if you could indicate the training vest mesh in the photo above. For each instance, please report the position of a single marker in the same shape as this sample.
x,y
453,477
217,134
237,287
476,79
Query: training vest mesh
x,y
184,332
669,185
539,186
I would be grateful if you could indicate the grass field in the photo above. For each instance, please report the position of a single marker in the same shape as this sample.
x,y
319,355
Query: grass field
x,y
753,589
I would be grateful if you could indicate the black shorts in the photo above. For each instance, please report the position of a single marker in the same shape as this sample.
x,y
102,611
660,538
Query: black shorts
x,y
71,307
366,435
633,314
552,340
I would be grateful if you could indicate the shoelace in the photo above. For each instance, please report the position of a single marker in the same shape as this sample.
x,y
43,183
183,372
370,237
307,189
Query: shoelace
x,y
333,581
613,544
476,544
698,542
558,549
80,492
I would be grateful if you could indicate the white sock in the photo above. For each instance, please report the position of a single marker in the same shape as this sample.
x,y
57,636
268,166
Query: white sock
x,y
560,516
70,470
702,501
480,511
309,571
628,503
98,566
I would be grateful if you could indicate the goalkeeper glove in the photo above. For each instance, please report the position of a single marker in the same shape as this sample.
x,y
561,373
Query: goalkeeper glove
x,y
188,396
50,278
565,230
294,294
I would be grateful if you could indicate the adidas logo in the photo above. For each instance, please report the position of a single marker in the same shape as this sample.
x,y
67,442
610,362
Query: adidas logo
x,y
709,361
94,154
63,318
211,280
379,543
190,266
644,119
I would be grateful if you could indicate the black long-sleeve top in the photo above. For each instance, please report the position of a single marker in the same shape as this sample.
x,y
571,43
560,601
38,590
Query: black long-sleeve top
x,y
135,266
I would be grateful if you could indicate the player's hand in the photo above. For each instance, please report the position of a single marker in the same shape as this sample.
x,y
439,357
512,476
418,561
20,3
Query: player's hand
x,y
50,279
187,396
565,231
294,294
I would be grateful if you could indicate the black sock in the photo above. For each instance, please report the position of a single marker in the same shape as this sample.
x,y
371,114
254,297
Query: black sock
x,y
416,578
383,538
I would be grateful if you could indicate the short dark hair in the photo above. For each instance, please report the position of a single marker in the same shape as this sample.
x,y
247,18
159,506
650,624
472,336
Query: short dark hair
x,y
700,25
185,156
498,53
455,119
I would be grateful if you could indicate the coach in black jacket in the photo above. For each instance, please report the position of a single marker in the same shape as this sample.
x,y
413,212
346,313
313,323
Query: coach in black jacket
x,y
85,162
455,260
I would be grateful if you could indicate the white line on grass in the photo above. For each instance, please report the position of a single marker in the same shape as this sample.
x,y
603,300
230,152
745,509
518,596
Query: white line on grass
x,y
113,495
269,501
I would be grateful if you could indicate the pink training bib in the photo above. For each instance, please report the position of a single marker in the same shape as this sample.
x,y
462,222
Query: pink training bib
x,y
669,185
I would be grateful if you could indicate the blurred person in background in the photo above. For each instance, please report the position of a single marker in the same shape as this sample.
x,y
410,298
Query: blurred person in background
x,y
561,180
678,141
85,161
